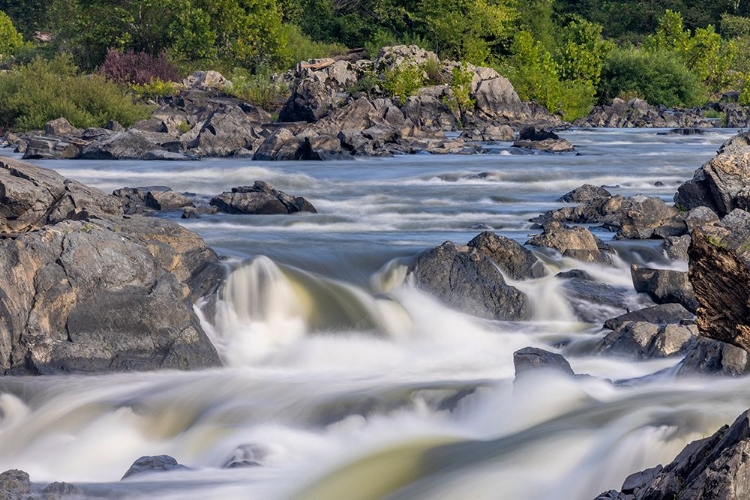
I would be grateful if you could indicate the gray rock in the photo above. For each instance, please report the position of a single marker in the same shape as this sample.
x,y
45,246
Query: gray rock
x,y
641,340
547,145
713,357
227,130
148,465
676,247
60,126
58,489
510,256
664,286
128,145
718,184
662,314
260,198
14,485
53,148
590,300
167,200
467,280
575,242
585,193
532,359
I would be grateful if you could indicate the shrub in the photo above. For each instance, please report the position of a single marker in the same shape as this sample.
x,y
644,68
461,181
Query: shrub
x,y
403,80
259,89
660,77
137,68
43,90
301,47
461,88
155,89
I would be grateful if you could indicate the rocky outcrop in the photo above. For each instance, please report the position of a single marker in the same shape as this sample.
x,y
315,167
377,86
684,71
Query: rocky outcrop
x,y
664,286
638,113
663,314
260,198
83,289
640,340
719,271
722,184
147,199
575,242
466,279
716,467
511,257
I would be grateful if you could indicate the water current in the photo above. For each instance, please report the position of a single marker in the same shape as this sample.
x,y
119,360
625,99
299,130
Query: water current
x,y
342,381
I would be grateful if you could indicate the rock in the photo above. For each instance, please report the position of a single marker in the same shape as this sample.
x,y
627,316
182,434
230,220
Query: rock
x,y
662,314
14,485
547,145
676,247
61,489
638,113
428,110
684,131
467,280
280,145
590,300
260,198
227,130
699,217
246,455
496,99
739,143
664,286
491,133
206,80
640,340
148,465
60,126
197,212
532,359
128,145
720,184
713,357
719,269
531,133
585,194
574,242
53,148
167,200
85,290
716,467
318,91
511,257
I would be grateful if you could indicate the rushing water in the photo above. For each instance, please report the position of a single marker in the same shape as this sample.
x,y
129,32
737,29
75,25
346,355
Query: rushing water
x,y
344,382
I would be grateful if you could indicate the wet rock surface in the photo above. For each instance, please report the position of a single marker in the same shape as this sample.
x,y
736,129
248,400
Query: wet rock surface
x,y
153,464
575,242
531,359
665,286
260,198
516,261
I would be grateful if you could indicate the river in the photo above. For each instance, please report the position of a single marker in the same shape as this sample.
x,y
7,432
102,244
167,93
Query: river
x,y
344,382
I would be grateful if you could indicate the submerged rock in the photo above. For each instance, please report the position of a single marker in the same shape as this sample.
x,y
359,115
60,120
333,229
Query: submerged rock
x,y
466,279
532,359
149,465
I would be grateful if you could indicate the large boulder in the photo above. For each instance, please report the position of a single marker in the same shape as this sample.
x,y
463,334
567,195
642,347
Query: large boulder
x,y
722,184
664,286
152,464
531,359
319,89
511,257
260,198
83,289
585,194
131,144
429,111
53,148
226,131
714,358
719,269
466,279
641,340
662,314
496,99
716,467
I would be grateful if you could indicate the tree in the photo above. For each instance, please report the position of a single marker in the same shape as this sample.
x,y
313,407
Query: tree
x,y
581,55
10,39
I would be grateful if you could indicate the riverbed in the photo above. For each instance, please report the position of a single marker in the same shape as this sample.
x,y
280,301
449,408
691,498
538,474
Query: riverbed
x,y
342,380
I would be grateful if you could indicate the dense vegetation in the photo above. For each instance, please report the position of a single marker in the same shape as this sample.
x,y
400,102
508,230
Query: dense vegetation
x,y
565,54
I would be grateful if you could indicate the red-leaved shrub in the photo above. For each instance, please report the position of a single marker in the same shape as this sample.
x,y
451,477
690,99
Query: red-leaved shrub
x,y
137,68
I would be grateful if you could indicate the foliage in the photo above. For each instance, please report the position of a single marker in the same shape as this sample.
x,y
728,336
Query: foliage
x,y
659,77
461,88
744,98
259,89
302,47
10,39
366,84
43,90
155,89
582,52
403,80
432,69
137,68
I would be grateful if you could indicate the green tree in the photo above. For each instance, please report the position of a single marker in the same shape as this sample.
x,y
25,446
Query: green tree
x,y
582,52
10,39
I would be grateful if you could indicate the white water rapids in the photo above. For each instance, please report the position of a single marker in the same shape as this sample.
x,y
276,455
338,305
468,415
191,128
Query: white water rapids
x,y
342,381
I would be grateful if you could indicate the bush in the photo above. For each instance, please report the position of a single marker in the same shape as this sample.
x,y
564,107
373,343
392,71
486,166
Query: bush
x,y
403,80
659,77
301,47
259,89
155,89
137,68
44,90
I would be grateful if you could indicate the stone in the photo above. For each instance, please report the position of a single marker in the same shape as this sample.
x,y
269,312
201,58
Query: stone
x,y
585,194
575,242
167,200
676,247
260,198
664,286
52,148
128,145
658,315
714,358
149,465
496,99
14,484
531,133
467,280
718,184
517,262
60,126
719,270
228,130
533,359
206,80
641,340
546,145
